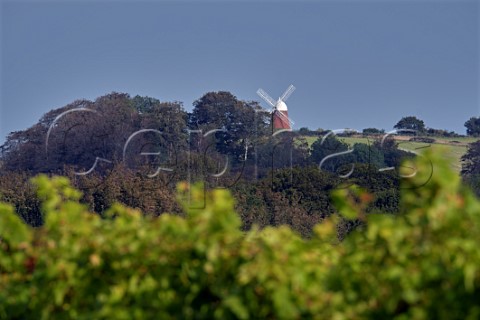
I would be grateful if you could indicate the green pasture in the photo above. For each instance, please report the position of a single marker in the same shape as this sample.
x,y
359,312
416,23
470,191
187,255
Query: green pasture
x,y
450,148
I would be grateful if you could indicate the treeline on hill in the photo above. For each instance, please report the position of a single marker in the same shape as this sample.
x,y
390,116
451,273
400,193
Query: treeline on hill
x,y
409,125
134,150
471,159
471,167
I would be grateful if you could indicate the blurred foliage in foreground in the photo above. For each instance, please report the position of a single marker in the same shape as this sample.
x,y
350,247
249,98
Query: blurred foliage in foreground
x,y
423,263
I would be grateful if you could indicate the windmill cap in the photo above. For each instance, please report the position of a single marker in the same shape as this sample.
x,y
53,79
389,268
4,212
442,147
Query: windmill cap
x,y
281,106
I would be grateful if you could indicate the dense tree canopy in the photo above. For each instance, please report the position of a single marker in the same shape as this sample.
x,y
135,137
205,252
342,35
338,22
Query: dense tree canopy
x,y
369,154
411,123
328,146
471,160
473,126
78,133
240,123
367,131
392,155
145,146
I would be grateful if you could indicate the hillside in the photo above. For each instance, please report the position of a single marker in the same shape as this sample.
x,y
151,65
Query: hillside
x,y
451,148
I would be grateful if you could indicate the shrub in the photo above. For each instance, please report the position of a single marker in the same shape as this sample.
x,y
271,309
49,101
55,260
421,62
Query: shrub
x,y
372,131
422,139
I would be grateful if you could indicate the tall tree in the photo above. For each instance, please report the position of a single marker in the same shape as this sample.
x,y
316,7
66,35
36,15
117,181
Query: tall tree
x,y
471,160
473,126
471,167
241,121
392,155
167,117
322,148
369,154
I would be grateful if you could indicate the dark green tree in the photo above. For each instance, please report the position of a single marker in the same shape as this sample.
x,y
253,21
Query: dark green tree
x,y
169,118
471,167
369,154
304,131
473,126
471,160
367,131
323,148
242,122
411,123
391,154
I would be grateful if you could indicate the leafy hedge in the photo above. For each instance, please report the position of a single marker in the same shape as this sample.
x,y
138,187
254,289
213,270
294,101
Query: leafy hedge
x,y
423,263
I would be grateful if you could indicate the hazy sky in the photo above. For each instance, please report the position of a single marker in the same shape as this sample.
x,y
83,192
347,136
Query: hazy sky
x,y
355,64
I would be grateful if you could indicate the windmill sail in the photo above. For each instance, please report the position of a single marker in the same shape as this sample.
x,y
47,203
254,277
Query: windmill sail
x,y
266,97
287,93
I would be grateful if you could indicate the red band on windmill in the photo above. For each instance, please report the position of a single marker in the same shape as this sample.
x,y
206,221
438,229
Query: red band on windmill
x,y
279,111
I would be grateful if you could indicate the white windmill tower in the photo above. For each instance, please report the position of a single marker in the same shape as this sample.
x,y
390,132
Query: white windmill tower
x,y
279,110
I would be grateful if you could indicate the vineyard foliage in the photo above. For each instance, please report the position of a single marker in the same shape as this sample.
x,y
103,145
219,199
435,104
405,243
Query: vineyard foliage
x,y
422,263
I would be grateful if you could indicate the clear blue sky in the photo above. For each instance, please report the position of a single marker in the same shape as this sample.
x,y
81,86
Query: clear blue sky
x,y
355,64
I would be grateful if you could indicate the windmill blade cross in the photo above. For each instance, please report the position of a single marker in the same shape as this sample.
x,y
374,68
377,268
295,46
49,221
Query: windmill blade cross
x,y
287,93
266,97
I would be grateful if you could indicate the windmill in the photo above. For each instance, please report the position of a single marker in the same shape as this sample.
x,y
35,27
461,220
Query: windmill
x,y
279,109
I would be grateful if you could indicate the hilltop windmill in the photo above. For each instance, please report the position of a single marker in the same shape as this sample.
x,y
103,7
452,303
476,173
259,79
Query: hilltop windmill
x,y
279,110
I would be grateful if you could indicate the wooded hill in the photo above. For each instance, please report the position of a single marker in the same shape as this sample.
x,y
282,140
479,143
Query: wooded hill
x,y
135,149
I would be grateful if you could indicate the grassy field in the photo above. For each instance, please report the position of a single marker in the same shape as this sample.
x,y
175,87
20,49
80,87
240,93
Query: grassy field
x,y
451,148
453,153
